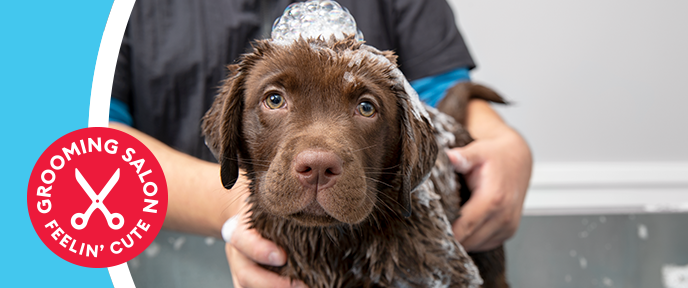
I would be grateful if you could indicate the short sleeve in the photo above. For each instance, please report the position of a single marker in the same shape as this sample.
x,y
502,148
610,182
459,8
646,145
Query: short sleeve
x,y
122,82
428,40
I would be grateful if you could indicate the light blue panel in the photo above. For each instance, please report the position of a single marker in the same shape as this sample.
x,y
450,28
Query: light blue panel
x,y
48,54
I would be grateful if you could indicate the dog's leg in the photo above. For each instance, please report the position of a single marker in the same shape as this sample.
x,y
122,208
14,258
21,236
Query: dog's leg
x,y
491,266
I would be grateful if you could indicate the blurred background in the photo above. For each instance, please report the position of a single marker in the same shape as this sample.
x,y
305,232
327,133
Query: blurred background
x,y
600,94
600,90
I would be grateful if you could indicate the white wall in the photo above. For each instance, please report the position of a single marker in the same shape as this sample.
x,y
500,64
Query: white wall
x,y
592,81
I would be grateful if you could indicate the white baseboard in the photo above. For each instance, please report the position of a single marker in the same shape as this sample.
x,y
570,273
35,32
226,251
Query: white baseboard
x,y
575,188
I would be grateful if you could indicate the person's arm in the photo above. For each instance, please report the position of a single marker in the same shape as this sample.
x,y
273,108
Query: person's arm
x,y
497,166
199,204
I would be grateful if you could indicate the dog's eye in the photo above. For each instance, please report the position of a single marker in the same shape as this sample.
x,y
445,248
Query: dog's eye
x,y
275,101
366,109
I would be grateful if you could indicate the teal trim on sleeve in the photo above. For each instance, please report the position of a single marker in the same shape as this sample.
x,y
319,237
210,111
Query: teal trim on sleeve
x,y
119,112
433,88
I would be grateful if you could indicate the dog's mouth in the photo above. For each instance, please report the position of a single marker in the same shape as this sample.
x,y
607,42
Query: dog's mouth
x,y
314,215
309,219
314,209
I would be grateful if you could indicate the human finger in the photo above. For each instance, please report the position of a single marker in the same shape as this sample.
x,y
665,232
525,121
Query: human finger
x,y
250,243
465,159
474,213
248,274
488,236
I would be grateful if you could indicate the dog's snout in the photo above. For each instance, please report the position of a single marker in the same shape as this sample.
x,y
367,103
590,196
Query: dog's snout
x,y
317,169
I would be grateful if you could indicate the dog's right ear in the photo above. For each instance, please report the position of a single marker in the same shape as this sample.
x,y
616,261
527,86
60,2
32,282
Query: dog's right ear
x,y
222,126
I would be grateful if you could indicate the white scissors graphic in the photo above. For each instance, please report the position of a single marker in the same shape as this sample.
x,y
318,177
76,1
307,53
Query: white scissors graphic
x,y
97,203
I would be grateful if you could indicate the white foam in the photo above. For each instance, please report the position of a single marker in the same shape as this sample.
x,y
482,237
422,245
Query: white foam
x,y
313,19
348,77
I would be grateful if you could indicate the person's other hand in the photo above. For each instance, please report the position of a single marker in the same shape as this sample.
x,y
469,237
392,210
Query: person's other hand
x,y
497,170
246,249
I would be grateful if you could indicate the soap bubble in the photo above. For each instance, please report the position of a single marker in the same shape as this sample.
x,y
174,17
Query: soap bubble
x,y
328,6
359,35
312,19
293,11
312,6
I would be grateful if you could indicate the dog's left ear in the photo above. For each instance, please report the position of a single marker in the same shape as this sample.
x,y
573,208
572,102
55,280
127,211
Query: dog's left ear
x,y
418,145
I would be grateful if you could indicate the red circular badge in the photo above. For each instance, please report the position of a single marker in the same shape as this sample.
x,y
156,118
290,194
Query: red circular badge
x,y
97,197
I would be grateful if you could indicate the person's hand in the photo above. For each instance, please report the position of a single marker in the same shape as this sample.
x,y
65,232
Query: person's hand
x,y
497,170
246,249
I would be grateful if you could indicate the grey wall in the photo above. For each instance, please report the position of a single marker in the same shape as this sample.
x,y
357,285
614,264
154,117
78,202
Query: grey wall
x,y
592,80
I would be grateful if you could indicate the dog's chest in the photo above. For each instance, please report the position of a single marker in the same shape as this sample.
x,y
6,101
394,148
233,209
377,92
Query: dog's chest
x,y
386,250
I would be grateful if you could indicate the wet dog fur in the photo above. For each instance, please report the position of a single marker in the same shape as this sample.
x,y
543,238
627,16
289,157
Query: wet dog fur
x,y
374,203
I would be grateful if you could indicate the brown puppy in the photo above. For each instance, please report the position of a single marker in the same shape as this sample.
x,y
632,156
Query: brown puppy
x,y
339,152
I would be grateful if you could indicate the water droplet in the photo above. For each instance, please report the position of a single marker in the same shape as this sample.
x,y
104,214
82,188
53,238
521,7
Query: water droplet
x,y
177,243
572,253
583,234
583,262
584,221
603,219
152,250
592,226
567,278
642,232
607,282
209,241
134,263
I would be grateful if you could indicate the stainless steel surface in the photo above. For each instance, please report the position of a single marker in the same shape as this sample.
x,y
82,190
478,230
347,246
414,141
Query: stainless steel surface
x,y
548,251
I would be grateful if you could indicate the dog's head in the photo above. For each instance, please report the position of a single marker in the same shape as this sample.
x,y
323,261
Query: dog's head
x,y
327,131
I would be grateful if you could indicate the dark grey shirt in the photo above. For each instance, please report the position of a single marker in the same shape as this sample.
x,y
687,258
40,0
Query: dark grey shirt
x,y
174,53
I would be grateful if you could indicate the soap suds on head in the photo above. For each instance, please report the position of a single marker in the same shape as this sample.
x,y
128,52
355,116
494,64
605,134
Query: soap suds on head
x,y
356,59
313,19
348,77
328,20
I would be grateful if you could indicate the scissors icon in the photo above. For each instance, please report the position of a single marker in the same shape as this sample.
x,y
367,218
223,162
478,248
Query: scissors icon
x,y
82,218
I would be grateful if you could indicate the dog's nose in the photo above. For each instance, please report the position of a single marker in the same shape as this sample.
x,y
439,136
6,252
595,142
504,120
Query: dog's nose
x,y
317,169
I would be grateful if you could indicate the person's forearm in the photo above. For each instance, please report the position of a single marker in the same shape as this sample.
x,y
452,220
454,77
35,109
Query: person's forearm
x,y
482,121
197,202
